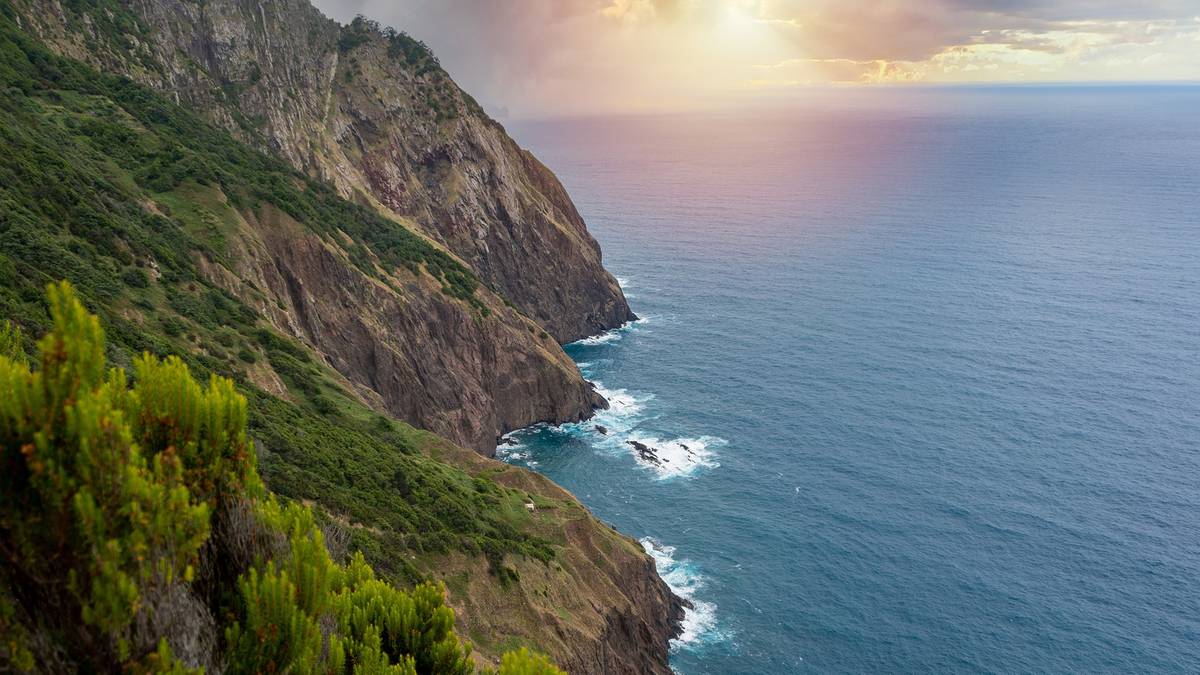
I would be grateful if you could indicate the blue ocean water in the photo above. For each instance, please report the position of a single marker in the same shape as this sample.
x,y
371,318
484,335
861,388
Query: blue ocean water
x,y
923,370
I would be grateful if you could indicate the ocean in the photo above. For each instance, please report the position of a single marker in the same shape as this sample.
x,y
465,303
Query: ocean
x,y
921,369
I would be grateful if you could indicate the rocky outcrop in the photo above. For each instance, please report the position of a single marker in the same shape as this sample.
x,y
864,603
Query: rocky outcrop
x,y
418,354
470,186
374,114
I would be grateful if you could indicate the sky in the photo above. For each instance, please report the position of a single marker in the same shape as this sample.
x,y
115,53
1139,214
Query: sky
x,y
533,58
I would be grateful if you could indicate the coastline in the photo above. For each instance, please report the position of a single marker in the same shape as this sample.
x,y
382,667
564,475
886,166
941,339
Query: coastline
x,y
615,425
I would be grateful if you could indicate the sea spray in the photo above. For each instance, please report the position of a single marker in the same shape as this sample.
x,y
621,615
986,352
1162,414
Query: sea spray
x,y
677,457
621,428
625,285
699,623
630,426
619,431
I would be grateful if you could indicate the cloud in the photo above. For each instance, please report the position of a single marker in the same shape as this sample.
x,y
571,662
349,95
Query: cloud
x,y
550,56
906,30
978,40
642,10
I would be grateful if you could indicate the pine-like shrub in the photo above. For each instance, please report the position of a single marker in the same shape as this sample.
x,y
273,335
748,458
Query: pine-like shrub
x,y
525,662
90,518
108,497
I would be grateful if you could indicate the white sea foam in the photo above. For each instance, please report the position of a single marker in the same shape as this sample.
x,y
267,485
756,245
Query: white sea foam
x,y
622,427
511,453
622,405
676,457
601,339
613,335
668,458
699,624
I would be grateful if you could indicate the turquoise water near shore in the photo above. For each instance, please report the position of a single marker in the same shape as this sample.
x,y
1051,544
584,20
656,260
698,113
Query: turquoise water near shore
x,y
922,370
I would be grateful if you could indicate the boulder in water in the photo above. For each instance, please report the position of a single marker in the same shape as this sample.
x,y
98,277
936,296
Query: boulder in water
x,y
645,452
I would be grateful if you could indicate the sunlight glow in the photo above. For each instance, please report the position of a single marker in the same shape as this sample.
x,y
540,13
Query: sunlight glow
x,y
635,55
737,19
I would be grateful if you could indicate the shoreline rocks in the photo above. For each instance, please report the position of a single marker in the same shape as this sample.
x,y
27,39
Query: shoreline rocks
x,y
646,452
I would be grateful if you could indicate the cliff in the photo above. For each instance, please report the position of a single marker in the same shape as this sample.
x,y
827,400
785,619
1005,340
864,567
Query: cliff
x,y
371,113
324,312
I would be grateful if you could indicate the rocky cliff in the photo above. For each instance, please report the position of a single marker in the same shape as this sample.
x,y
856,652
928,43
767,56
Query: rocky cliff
x,y
185,241
406,347
372,113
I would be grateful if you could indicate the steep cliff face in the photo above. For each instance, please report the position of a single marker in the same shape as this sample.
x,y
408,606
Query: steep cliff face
x,y
469,185
403,345
187,242
374,114
371,113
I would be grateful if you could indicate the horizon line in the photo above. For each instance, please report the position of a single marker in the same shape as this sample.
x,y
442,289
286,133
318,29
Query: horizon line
x,y
500,113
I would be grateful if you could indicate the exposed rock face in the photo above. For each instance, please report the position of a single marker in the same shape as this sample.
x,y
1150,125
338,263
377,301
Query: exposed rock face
x,y
421,355
376,116
373,114
490,202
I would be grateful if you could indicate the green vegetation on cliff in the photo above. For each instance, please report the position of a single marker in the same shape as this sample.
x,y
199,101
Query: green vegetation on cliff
x,y
105,183
170,232
101,183
126,513
82,143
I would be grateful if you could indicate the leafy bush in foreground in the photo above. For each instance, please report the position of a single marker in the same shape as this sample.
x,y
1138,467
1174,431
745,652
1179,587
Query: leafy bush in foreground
x,y
115,499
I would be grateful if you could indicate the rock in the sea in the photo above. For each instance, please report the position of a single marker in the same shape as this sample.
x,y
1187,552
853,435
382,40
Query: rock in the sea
x,y
602,429
645,452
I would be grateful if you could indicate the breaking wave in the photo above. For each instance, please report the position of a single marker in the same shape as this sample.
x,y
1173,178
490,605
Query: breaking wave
x,y
699,624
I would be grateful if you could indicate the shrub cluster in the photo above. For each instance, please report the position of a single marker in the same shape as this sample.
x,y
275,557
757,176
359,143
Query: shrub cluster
x,y
109,496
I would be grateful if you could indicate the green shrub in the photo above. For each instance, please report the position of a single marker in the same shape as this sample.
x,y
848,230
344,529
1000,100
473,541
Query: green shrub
x,y
525,662
277,630
83,154
12,345
135,278
377,626
107,498
98,495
